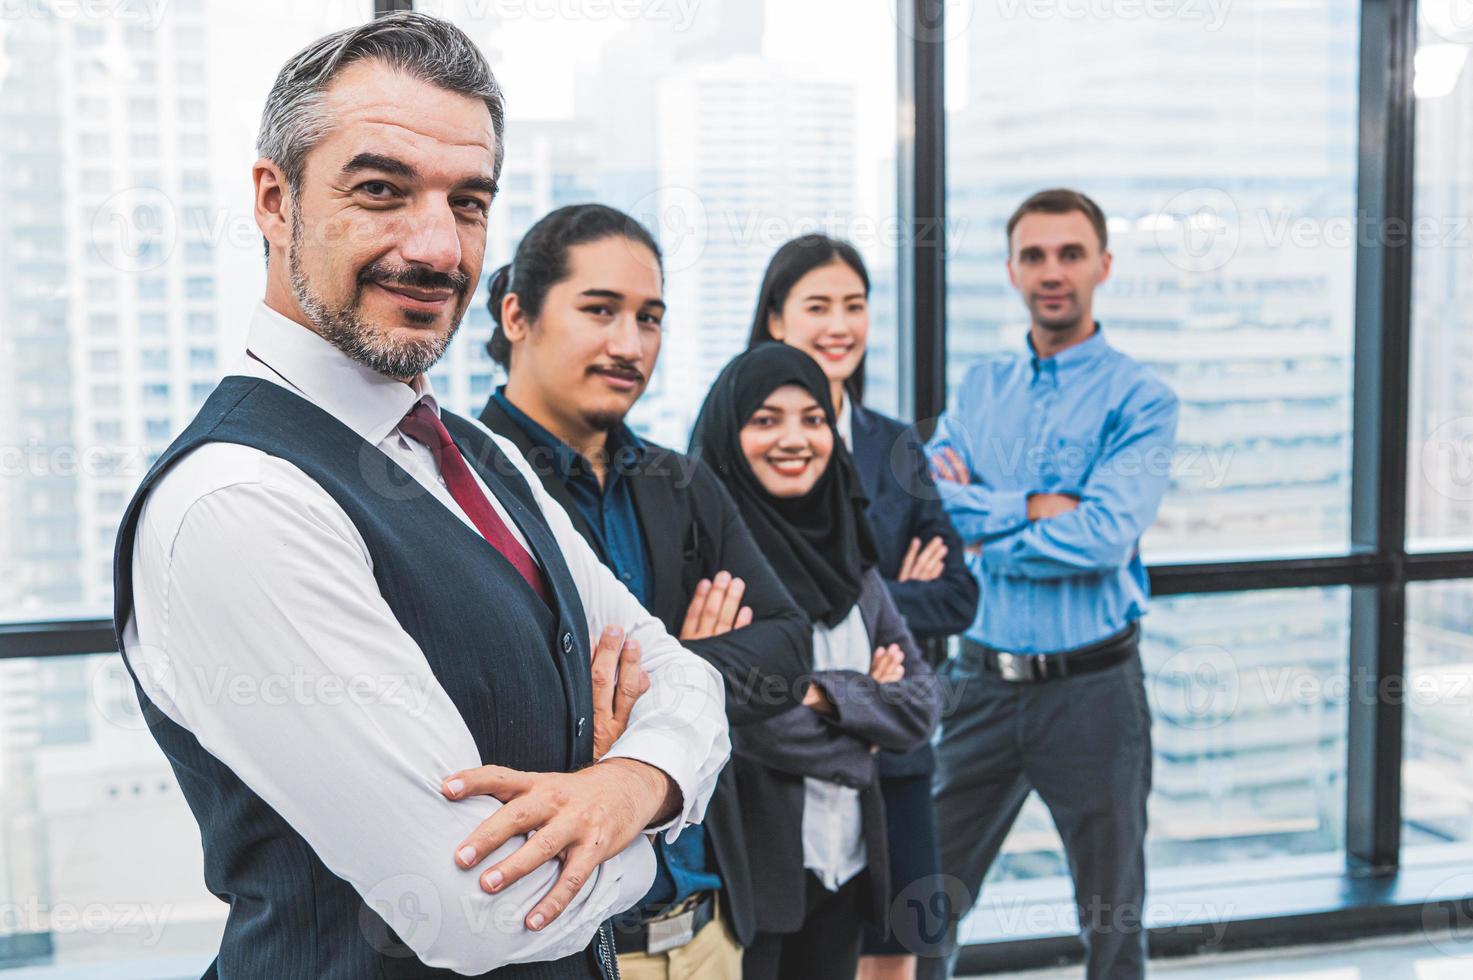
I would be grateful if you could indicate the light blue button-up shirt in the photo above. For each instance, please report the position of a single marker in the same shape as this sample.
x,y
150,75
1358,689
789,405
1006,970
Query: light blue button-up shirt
x,y
1090,422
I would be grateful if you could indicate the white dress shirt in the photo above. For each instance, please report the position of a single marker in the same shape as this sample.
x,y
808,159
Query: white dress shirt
x,y
845,424
257,625
833,820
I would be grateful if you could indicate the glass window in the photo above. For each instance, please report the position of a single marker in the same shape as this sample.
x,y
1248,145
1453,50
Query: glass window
x,y
90,85
765,90
1440,453
1223,151
193,144
1249,696
85,786
144,145
1437,768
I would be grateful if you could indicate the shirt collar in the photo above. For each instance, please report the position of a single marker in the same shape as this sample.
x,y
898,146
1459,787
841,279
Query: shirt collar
x,y
570,463
369,403
1078,356
845,422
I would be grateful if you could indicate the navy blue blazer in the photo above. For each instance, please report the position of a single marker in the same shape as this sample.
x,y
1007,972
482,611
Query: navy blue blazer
x,y
903,504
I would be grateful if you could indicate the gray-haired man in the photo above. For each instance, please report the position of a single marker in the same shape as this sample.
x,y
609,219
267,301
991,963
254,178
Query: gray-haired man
x,y
400,614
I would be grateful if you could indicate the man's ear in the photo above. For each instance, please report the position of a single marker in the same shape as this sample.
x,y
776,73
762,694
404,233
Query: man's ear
x,y
1012,276
514,322
271,203
1105,259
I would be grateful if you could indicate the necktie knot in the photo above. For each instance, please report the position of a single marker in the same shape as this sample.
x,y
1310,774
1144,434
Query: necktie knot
x,y
422,424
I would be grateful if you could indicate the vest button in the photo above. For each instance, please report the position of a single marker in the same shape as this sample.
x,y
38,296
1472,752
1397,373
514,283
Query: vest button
x,y
567,643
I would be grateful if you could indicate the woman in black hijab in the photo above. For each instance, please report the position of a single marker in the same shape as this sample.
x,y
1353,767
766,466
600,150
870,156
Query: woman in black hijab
x,y
813,813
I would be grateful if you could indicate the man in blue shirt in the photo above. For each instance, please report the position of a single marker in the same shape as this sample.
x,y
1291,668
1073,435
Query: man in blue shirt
x,y
1051,463
578,328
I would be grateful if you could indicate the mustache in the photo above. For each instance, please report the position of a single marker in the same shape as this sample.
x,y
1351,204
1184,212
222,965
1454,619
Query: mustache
x,y
416,277
617,366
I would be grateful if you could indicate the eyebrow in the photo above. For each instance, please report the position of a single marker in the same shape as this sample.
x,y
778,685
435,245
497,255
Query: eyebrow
x,y
381,163
825,296
398,168
1040,248
769,407
616,295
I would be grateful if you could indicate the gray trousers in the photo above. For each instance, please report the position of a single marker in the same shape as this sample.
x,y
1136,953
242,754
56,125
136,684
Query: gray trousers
x,y
1084,743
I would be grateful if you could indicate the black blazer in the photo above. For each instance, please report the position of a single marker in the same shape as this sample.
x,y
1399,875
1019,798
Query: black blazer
x,y
903,504
692,530
771,760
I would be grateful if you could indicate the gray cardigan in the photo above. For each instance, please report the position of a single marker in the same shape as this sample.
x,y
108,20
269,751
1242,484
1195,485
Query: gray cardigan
x,y
773,757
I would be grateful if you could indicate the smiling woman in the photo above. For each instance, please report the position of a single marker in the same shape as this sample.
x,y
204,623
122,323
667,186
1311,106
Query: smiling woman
x,y
788,442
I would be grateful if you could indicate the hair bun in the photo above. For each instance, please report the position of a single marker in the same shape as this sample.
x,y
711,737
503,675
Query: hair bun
x,y
496,289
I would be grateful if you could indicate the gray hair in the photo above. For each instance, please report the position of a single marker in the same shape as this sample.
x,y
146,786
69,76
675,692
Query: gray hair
x,y
433,50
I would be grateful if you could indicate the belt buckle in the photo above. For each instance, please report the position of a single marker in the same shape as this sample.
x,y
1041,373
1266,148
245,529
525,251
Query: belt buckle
x,y
1017,668
670,933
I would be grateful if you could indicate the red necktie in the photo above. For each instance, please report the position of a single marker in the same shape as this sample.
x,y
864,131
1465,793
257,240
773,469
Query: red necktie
x,y
423,425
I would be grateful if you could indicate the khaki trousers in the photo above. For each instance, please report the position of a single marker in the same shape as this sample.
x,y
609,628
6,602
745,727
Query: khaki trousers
x,y
712,954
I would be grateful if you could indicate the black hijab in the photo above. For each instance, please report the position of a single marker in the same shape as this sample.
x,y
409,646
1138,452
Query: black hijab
x,y
820,544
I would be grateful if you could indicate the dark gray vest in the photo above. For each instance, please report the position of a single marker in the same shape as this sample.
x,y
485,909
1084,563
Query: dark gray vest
x,y
516,671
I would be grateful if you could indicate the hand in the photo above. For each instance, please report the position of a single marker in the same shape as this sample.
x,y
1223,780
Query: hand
x,y
923,564
716,608
618,682
1042,506
888,665
947,466
816,699
583,817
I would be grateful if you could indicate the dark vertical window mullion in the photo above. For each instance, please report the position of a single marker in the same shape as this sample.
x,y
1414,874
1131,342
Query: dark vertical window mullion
x,y
383,7
1379,437
922,172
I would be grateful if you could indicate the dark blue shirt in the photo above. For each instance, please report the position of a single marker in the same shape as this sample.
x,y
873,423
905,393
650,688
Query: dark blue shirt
x,y
608,510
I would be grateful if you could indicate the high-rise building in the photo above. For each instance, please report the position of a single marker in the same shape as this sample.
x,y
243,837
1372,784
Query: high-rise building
x,y
1228,192
750,155
111,341
38,497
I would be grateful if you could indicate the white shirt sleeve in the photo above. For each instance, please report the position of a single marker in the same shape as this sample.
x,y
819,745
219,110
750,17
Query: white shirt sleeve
x,y
258,626
679,725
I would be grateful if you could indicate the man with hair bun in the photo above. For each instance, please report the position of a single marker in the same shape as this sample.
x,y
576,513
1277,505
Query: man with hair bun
x,y
476,803
579,318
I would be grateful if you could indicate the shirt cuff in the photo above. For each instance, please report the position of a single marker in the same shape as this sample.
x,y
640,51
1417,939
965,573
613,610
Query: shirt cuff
x,y
1010,511
1003,511
636,873
672,757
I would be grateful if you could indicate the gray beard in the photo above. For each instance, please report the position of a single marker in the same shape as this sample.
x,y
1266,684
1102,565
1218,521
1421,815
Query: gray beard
x,y
343,328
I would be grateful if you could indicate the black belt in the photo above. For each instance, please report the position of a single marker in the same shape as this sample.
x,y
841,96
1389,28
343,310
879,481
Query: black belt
x,y
669,930
1036,668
